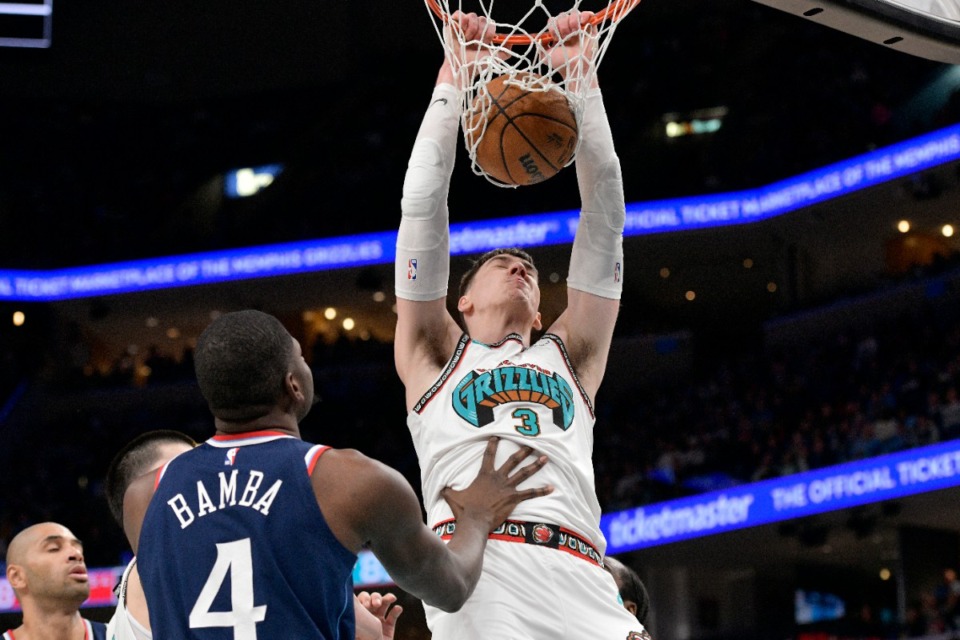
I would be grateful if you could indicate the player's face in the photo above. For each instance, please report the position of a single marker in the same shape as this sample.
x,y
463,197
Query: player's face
x,y
507,280
54,567
304,378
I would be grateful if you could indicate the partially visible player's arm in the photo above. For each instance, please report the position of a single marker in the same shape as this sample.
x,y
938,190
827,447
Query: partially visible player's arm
x,y
367,504
426,333
595,279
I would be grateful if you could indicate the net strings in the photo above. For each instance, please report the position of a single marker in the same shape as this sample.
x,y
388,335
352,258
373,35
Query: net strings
x,y
525,65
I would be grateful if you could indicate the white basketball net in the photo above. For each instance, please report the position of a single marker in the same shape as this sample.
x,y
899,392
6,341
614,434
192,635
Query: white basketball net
x,y
522,52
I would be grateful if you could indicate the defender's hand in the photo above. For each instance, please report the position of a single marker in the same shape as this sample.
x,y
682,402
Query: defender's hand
x,y
493,494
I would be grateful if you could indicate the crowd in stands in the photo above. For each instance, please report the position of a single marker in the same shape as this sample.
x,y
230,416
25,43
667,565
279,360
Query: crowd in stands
x,y
762,414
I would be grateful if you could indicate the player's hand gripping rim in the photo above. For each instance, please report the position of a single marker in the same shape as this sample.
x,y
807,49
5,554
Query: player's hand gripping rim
x,y
493,494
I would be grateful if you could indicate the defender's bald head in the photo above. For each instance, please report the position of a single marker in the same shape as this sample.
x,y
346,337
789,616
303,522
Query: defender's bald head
x,y
16,550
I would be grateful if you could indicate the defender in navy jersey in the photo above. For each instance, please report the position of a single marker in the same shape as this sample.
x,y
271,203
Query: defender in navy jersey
x,y
254,533
46,570
232,504
376,615
489,377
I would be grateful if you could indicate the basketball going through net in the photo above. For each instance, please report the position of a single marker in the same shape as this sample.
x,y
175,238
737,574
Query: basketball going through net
x,y
521,94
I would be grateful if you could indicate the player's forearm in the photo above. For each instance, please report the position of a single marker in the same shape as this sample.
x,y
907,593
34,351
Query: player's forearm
x,y
596,261
423,241
598,167
444,575
466,549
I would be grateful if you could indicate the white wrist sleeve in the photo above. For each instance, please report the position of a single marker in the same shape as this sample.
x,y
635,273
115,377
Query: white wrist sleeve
x,y
422,268
596,262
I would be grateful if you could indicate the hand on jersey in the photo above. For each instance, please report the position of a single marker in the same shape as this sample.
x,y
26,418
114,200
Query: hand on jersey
x,y
493,494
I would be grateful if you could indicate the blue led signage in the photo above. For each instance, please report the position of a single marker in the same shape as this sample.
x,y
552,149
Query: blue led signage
x,y
696,212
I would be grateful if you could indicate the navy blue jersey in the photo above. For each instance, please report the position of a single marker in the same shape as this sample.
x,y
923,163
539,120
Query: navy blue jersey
x,y
234,546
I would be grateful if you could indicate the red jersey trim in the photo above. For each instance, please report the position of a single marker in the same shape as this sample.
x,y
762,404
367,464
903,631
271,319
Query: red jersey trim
x,y
313,456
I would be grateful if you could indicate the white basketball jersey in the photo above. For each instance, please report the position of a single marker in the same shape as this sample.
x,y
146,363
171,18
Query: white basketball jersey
x,y
526,397
122,625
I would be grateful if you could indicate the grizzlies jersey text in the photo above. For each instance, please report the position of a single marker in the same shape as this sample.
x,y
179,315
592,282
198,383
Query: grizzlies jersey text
x,y
526,397
234,546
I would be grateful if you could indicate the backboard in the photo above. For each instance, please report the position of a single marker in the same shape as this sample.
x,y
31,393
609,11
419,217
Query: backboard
x,y
925,28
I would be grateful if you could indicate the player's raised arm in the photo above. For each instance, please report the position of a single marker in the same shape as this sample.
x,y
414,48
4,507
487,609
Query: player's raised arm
x,y
368,504
426,333
595,279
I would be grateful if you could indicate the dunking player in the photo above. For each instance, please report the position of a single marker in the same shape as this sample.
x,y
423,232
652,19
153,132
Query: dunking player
x,y
542,576
375,618
45,568
279,520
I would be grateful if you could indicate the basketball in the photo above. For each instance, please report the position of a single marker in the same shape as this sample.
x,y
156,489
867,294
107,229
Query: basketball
x,y
529,135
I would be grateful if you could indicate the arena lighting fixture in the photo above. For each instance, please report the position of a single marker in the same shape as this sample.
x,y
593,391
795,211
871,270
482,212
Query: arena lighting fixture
x,y
947,231
329,313
19,318
349,324
903,226
470,238
243,183
695,123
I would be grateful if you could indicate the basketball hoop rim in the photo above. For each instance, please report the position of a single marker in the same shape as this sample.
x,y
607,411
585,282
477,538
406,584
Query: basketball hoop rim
x,y
615,11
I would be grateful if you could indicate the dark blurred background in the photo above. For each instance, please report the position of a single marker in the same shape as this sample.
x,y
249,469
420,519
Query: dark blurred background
x,y
823,336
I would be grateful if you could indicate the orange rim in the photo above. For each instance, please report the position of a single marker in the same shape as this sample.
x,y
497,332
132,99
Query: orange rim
x,y
616,10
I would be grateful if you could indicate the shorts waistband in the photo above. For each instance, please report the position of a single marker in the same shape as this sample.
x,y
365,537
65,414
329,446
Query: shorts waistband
x,y
536,533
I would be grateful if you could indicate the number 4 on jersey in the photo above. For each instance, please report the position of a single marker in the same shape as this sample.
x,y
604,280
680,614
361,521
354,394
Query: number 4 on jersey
x,y
237,559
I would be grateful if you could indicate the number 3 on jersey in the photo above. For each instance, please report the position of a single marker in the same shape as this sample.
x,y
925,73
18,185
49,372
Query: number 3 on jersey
x,y
236,559
529,423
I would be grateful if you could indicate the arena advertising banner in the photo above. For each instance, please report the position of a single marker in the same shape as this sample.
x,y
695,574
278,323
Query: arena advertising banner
x,y
795,496
642,218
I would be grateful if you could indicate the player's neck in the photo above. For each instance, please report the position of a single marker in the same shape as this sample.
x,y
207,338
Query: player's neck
x,y
276,420
493,330
50,623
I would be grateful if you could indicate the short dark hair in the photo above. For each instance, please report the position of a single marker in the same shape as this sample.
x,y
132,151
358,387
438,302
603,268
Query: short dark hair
x,y
241,361
467,278
631,587
136,458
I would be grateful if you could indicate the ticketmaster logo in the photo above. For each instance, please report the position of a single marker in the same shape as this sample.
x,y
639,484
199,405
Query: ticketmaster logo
x,y
641,525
